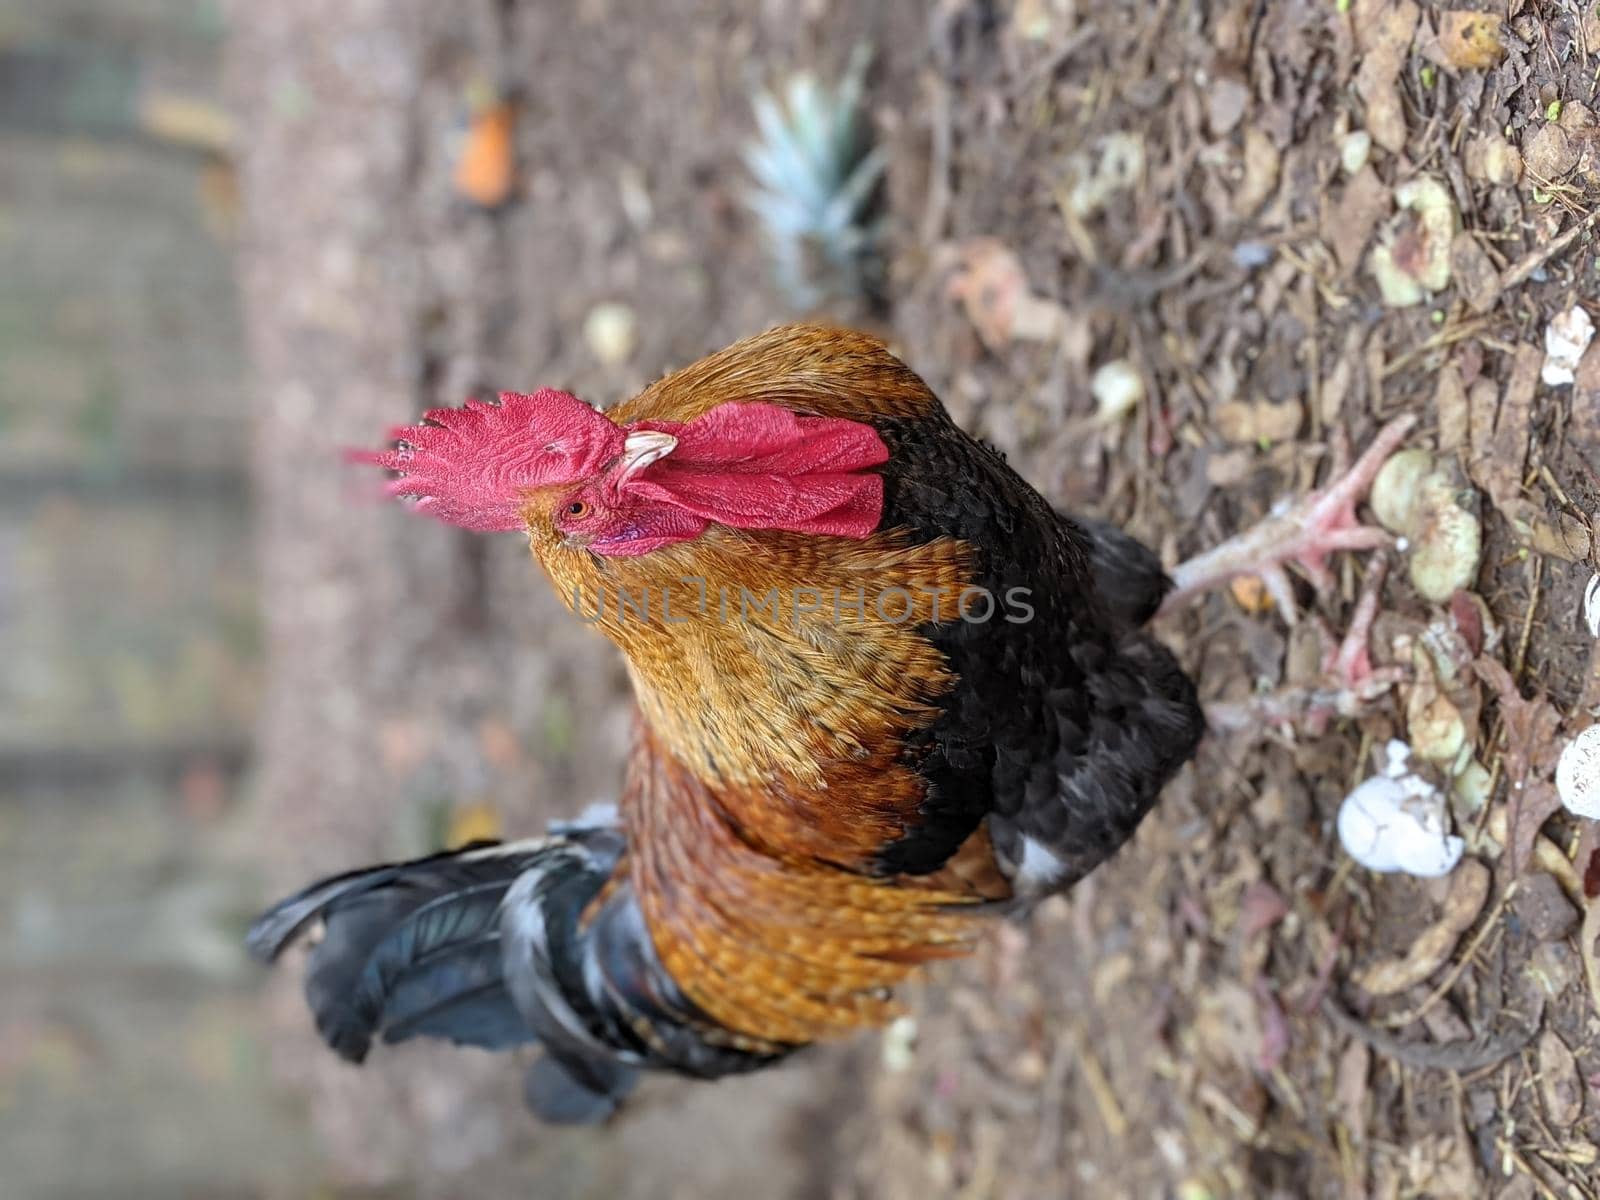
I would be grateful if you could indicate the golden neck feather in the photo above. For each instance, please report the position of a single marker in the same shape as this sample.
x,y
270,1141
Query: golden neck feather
x,y
769,770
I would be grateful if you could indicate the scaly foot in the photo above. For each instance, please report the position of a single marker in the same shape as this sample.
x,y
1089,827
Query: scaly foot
x,y
1350,682
1303,532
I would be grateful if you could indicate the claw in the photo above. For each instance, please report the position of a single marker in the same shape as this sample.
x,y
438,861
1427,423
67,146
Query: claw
x,y
1351,660
1304,533
1352,683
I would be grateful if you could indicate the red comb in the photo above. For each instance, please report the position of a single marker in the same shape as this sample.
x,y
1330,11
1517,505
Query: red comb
x,y
760,466
473,466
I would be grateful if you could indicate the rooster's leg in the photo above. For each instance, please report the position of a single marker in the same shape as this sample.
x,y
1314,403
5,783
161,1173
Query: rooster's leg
x,y
1350,661
1304,532
1349,684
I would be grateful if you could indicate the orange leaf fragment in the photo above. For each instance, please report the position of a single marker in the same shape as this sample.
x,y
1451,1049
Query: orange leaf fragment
x,y
1470,40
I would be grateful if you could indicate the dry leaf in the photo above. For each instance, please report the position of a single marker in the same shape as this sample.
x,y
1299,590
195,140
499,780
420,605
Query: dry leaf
x,y
1260,908
1342,379
1529,761
487,165
1483,403
1226,100
1229,468
1444,1025
1567,538
1543,908
1549,152
1579,122
1260,172
1228,1026
1243,423
1474,274
1491,158
993,288
1274,1029
1384,28
1559,1085
1350,1089
1469,890
1441,1166
1348,225
1497,459
1450,400
1470,40
1583,424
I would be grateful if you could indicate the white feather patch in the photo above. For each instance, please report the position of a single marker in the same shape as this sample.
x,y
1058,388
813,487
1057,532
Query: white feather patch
x,y
1039,867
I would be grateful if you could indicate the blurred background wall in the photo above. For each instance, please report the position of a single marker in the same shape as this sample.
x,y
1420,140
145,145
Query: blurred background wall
x,y
128,621
232,242
130,1057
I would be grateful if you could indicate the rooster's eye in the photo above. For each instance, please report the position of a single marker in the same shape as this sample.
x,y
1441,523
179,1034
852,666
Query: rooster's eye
x,y
577,509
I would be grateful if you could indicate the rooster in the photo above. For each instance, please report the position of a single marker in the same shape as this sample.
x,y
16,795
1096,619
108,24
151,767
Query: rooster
x,y
885,692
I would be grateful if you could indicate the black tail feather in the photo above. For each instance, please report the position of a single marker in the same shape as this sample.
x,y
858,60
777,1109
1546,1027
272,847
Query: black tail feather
x,y
497,946
410,949
584,1093
276,928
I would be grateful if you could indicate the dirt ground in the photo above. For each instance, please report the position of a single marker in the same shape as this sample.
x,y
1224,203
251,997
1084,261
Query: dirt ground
x,y
1183,187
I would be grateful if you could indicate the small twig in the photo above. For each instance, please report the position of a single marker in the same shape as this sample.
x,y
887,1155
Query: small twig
x,y
1105,1096
1520,660
1558,492
1438,341
937,209
1527,1169
1047,1144
1454,973
1480,1052
1048,65
1495,764
1591,932
1536,258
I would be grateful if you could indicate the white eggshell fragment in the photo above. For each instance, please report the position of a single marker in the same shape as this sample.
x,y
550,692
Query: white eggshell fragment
x,y
1117,388
899,1044
1578,774
1591,606
1355,150
1396,821
1565,339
